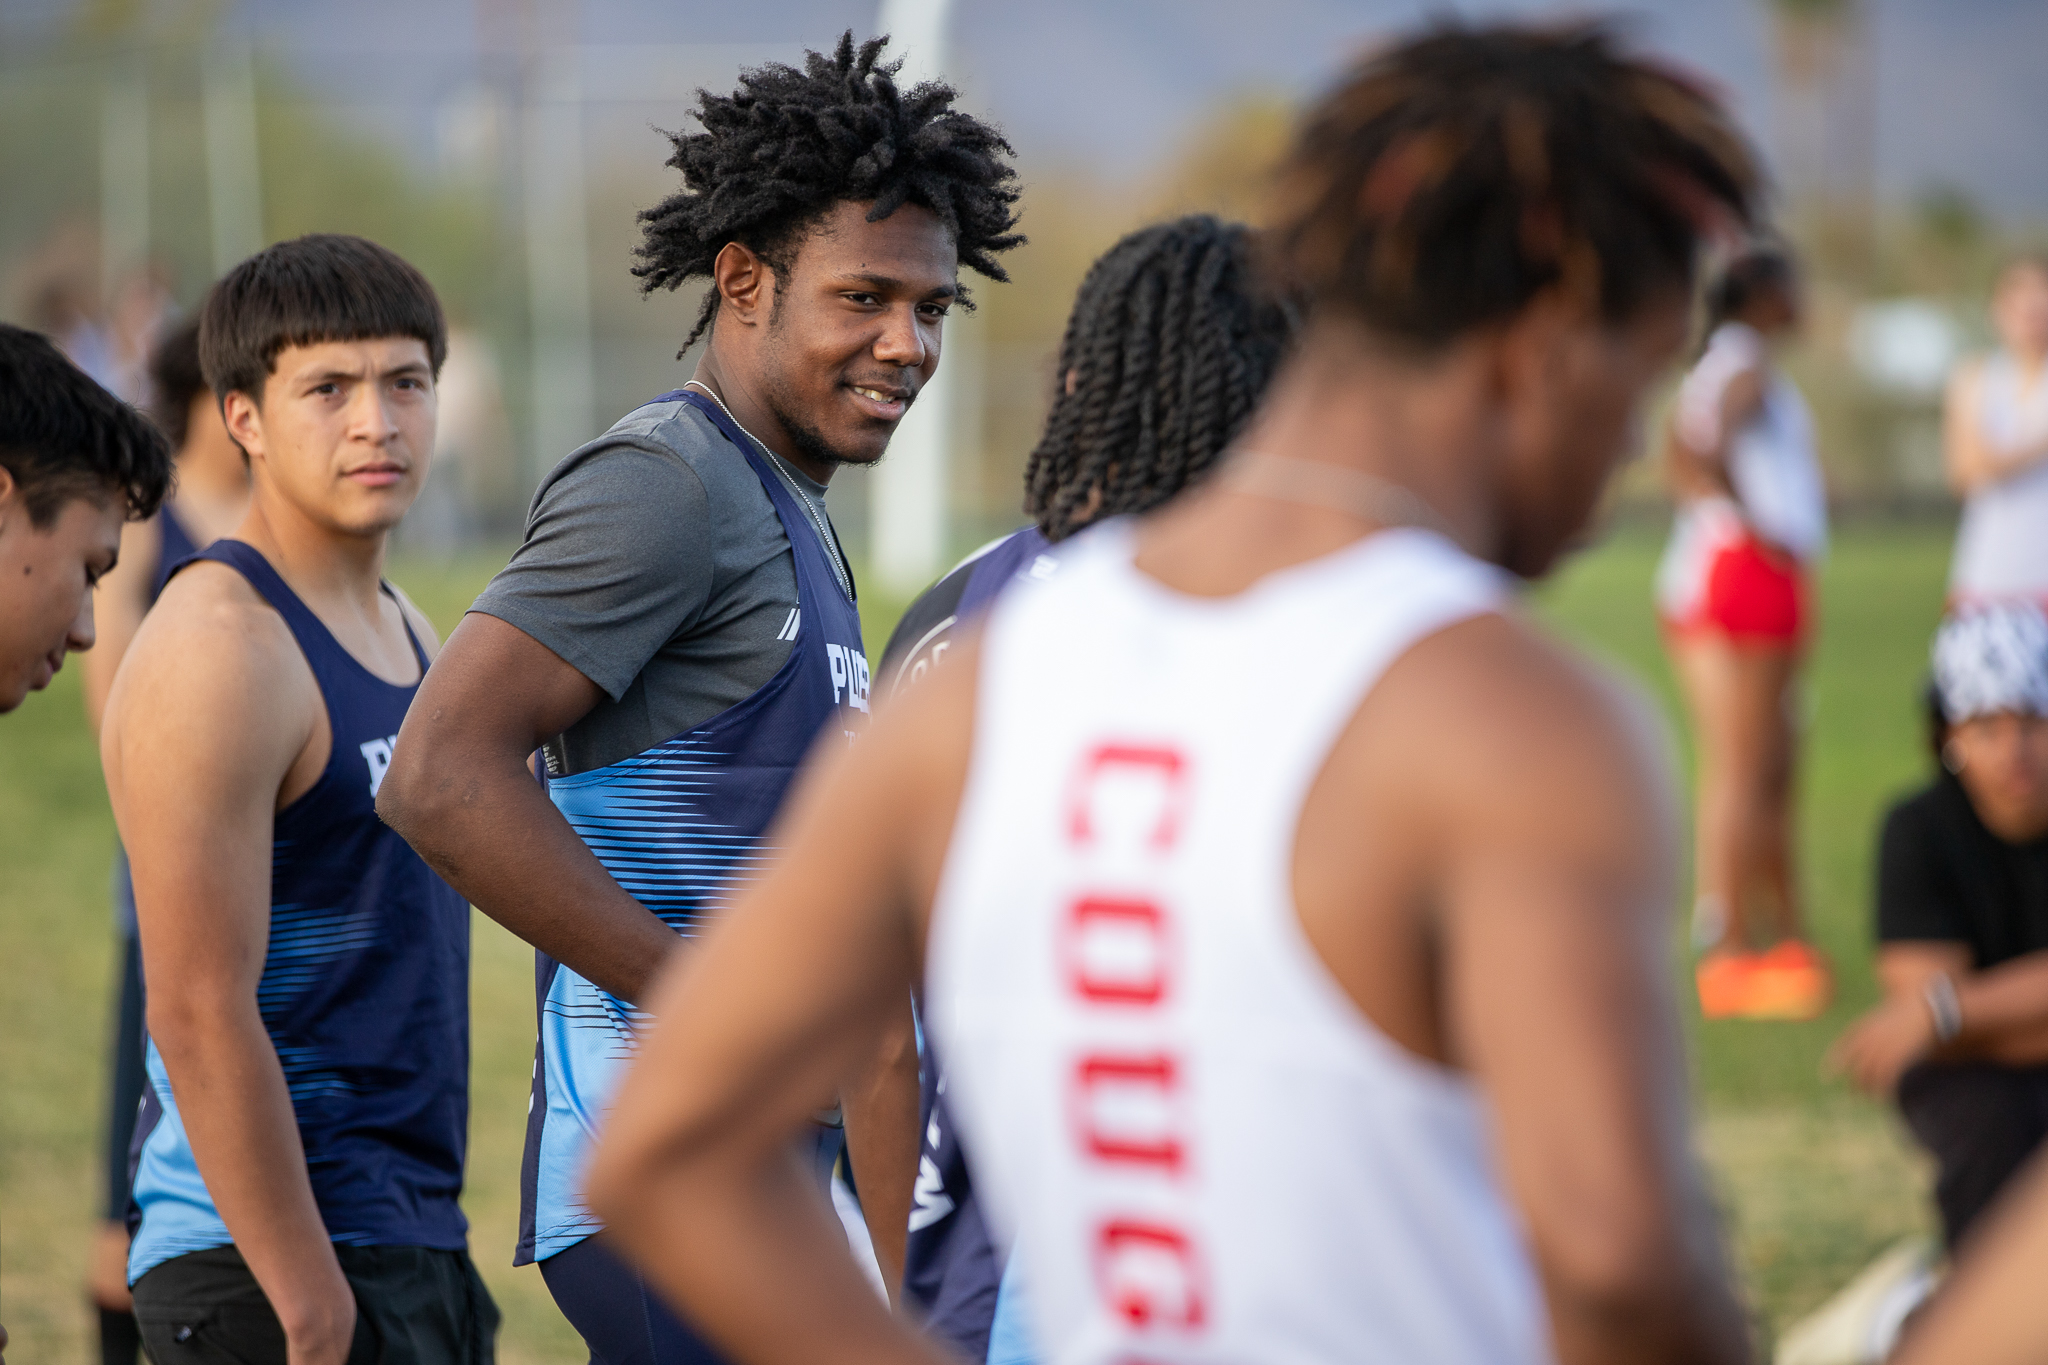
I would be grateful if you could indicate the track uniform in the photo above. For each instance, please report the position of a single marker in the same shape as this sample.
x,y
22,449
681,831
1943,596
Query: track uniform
x,y
125,1043
1743,568
959,1278
2002,544
1205,1151
680,818
365,996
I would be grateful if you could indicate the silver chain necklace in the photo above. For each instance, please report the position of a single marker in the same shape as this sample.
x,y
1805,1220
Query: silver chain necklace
x,y
820,521
1289,478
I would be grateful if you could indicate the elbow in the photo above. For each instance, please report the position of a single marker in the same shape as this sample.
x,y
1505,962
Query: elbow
x,y
406,799
1612,1270
616,1185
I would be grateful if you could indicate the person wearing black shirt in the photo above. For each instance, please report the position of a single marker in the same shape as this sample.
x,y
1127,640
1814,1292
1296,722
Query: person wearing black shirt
x,y
1961,1038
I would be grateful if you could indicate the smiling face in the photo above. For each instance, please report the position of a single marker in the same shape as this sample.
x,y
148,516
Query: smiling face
x,y
854,330
344,432
46,579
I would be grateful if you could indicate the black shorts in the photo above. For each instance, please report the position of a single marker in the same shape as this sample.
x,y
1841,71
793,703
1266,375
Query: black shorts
x,y
414,1306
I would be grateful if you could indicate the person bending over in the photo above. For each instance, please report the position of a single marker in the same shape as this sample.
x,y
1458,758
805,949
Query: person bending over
x,y
300,1149
76,464
1292,912
211,497
1961,1038
679,628
1169,347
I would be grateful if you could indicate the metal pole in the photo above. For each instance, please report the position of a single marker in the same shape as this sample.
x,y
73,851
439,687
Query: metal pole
x,y
233,178
124,171
907,496
557,259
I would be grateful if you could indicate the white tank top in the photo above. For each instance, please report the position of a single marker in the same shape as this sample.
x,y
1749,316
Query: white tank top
x,y
2002,544
1205,1151
1771,462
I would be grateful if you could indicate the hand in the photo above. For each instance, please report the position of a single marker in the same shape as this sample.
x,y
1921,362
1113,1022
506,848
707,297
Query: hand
x,y
325,1331
1877,1049
106,1268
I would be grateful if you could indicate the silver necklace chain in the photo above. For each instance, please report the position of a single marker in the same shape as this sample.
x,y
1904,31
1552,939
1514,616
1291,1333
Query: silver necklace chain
x,y
821,521
1292,479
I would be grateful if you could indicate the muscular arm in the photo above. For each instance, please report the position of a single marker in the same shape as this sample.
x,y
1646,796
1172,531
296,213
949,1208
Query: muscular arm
x,y
459,791
1552,898
1970,460
782,1001
195,801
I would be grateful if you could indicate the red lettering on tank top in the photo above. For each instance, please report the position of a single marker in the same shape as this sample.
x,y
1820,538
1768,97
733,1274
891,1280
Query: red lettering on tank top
x,y
1115,951
1127,1109
1150,1275
1169,768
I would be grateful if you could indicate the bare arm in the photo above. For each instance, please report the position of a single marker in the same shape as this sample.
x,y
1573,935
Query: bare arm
x,y
1970,460
1554,920
785,999
2004,1015
881,1109
1702,472
1992,1311
117,608
459,791
195,802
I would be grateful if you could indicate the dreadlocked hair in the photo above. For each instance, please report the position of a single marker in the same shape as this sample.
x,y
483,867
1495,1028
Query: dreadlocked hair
x,y
1453,178
1170,346
778,153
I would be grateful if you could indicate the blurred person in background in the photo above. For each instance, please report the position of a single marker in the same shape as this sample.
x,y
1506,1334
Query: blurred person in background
x,y
679,628
1169,347
1292,913
1961,1038
1995,444
76,465
299,1156
1735,593
211,495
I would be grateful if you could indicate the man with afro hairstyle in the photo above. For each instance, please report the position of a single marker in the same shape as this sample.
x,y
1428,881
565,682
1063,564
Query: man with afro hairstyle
x,y
679,624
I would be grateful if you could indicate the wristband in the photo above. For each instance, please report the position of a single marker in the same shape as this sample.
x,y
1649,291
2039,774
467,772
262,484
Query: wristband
x,y
1942,1004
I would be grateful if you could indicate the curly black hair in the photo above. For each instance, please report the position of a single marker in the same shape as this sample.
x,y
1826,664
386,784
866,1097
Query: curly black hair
x,y
1170,346
778,153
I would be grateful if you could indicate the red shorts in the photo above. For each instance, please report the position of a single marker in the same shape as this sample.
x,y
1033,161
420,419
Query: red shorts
x,y
1752,592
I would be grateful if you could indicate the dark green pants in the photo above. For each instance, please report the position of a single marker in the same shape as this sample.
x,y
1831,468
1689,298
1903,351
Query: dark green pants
x,y
414,1306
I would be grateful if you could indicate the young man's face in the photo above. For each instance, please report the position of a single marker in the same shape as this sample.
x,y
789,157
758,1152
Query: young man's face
x,y
854,331
46,579
1575,420
344,432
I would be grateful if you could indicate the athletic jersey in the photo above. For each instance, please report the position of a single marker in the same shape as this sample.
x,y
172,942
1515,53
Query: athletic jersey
x,y
2001,549
1205,1150
364,992
1779,494
954,1273
678,825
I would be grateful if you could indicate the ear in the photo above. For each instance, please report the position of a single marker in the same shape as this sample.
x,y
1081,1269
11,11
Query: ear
x,y
744,282
10,496
244,421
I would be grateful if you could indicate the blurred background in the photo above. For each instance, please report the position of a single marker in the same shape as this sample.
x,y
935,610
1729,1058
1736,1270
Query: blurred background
x,y
505,146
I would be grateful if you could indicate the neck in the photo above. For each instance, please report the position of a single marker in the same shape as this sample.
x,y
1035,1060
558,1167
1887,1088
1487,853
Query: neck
x,y
320,563
213,476
1422,426
738,385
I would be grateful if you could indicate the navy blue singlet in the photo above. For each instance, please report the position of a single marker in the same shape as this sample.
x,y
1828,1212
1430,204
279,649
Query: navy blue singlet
x,y
678,825
365,992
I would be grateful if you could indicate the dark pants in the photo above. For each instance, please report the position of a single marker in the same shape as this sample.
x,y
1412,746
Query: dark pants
x,y
414,1306
622,1319
1981,1122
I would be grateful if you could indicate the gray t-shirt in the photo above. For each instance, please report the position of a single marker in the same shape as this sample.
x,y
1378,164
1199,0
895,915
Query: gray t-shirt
x,y
655,564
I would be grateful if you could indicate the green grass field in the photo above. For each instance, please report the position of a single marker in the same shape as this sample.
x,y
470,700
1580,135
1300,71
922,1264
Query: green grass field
x,y
1815,1181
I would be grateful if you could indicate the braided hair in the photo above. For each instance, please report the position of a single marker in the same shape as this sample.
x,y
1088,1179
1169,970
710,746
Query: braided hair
x,y
1168,350
777,154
